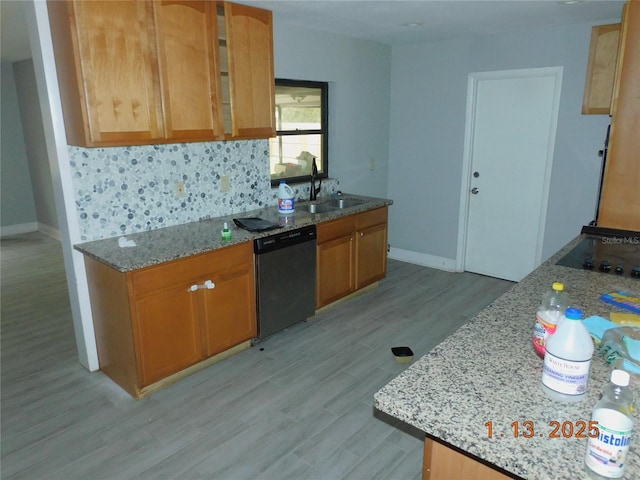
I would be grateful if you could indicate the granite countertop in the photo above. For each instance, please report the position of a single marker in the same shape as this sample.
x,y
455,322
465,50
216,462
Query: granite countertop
x,y
170,243
487,371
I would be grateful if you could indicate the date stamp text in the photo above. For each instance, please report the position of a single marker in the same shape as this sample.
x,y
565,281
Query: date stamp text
x,y
554,429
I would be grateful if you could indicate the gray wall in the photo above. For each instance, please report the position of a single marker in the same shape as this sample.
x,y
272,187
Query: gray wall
x,y
17,204
36,147
428,109
359,76
404,107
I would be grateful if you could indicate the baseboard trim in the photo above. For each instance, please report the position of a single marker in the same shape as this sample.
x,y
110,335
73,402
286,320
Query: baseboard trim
x,y
49,231
357,293
21,228
423,259
9,230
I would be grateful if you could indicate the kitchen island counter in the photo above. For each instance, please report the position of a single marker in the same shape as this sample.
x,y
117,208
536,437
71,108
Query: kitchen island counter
x,y
469,390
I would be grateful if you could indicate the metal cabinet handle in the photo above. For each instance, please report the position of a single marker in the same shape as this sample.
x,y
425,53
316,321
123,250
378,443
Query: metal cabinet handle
x,y
362,234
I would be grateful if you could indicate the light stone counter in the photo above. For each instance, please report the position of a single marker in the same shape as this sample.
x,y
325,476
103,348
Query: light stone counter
x,y
487,371
170,243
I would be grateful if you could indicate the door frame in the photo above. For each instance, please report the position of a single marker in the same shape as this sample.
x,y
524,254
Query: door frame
x,y
465,190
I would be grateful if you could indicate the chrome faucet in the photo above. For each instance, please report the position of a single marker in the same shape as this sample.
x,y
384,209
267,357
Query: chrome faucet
x,y
313,191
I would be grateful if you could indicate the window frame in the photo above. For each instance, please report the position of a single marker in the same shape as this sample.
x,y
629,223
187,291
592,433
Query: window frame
x,y
323,131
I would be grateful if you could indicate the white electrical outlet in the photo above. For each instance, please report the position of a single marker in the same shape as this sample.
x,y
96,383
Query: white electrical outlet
x,y
180,191
372,164
225,184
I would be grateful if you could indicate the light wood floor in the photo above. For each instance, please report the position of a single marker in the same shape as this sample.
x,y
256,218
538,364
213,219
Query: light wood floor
x,y
295,406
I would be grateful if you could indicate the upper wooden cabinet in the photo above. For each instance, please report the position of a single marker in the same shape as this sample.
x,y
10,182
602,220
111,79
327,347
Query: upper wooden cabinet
x,y
249,42
186,33
107,71
143,72
620,200
603,56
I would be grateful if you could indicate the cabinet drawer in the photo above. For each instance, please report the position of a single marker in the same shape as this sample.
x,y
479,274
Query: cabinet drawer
x,y
340,227
372,217
189,269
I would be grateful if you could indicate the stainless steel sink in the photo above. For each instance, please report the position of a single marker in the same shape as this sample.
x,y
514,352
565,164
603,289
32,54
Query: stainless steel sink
x,y
332,205
320,208
344,202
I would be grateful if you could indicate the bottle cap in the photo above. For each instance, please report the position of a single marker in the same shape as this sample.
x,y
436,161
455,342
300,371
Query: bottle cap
x,y
225,226
558,286
620,378
573,314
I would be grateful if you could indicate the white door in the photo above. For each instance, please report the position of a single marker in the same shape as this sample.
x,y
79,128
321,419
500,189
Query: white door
x,y
511,125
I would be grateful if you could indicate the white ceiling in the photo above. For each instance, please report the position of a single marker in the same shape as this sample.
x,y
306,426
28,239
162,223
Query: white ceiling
x,y
385,20
382,20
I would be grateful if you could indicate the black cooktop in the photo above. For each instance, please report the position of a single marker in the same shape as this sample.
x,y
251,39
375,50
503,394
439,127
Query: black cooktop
x,y
610,251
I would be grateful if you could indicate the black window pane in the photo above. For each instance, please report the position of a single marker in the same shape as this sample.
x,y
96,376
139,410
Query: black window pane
x,y
298,108
301,124
292,155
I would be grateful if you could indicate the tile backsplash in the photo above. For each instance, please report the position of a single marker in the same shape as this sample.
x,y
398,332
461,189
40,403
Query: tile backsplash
x,y
123,190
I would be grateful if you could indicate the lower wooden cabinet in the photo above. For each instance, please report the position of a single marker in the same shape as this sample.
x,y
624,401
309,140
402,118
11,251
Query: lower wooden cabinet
x,y
352,253
371,247
335,269
156,322
444,463
230,309
167,327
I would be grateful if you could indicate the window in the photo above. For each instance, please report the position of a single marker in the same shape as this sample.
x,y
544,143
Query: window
x,y
301,131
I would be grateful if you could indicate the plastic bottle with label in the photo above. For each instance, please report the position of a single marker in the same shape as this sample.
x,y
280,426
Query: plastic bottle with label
x,y
552,307
285,198
567,359
613,413
226,233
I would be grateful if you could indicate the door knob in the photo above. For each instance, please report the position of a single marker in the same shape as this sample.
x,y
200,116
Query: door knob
x,y
474,190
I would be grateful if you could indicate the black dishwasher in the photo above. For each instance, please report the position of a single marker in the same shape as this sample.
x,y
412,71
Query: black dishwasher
x,y
285,279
